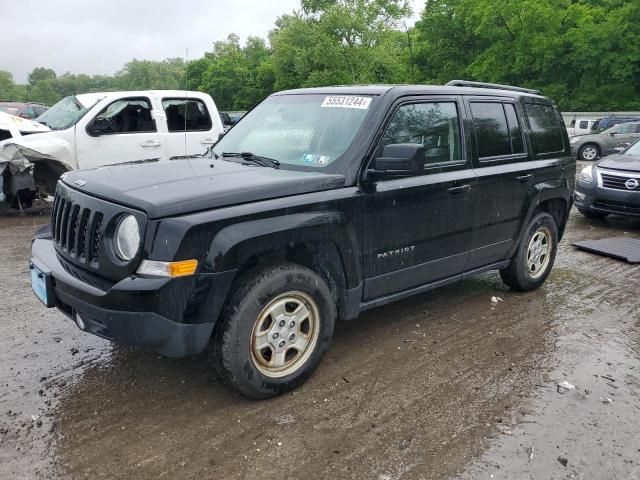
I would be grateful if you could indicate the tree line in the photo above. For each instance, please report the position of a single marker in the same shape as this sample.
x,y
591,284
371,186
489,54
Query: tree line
x,y
584,54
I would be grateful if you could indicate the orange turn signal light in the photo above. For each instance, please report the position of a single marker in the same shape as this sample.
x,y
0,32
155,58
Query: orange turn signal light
x,y
182,269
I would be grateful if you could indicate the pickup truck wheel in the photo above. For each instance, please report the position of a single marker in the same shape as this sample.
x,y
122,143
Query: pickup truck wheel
x,y
589,152
532,262
277,326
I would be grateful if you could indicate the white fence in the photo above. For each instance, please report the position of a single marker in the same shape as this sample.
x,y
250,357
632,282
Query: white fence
x,y
568,116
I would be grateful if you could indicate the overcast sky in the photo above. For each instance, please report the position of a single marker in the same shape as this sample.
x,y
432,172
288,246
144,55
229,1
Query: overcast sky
x,y
85,36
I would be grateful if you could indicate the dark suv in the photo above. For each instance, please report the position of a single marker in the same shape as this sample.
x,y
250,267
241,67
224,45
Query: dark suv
x,y
320,204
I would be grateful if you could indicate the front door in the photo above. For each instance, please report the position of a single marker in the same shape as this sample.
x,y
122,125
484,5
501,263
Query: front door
x,y
124,131
417,228
621,136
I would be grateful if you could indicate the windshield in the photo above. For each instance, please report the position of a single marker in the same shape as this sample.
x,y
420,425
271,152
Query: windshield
x,y
633,149
299,130
64,114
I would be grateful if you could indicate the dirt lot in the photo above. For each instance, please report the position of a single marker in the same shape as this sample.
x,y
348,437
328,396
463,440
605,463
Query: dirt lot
x,y
445,385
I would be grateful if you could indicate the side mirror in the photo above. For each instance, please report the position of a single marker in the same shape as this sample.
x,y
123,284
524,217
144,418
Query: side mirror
x,y
100,126
398,159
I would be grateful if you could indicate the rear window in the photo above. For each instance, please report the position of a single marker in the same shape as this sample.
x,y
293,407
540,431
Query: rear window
x,y
545,128
189,115
583,124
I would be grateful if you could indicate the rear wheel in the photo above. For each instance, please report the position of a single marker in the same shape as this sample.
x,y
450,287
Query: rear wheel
x,y
589,152
592,214
532,262
275,330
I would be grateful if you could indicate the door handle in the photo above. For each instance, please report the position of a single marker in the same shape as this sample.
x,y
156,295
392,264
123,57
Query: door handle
x,y
150,143
207,141
524,178
459,189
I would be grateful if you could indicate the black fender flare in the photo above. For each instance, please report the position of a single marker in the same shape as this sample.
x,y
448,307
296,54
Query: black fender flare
x,y
540,193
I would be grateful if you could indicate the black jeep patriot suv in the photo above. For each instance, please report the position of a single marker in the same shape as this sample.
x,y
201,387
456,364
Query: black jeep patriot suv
x,y
320,204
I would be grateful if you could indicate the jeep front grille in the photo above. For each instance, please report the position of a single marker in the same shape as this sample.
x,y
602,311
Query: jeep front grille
x,y
77,230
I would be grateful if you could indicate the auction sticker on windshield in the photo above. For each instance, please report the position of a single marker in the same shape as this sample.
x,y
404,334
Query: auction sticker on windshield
x,y
346,101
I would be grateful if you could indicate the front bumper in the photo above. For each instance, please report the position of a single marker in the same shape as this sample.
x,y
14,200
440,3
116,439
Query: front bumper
x,y
591,197
162,314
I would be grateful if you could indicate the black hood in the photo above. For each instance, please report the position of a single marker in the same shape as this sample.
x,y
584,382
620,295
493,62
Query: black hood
x,y
183,186
630,163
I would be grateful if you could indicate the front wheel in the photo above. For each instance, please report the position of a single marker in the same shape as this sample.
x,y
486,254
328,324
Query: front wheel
x,y
276,328
589,152
532,262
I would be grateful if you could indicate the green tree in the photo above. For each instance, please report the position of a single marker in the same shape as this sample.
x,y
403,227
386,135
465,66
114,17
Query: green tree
x,y
341,42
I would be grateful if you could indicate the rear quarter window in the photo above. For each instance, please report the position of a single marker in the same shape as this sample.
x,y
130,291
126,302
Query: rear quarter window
x,y
546,132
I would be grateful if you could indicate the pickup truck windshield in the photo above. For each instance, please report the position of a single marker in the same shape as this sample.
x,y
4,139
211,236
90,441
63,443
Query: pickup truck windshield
x,y
299,130
64,114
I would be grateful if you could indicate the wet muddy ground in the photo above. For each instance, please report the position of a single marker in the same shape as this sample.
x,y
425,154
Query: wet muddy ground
x,y
445,385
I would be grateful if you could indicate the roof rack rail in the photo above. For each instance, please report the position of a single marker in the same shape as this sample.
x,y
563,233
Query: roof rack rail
x,y
468,83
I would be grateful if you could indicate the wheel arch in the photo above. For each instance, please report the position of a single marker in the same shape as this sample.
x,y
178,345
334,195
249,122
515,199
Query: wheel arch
x,y
320,241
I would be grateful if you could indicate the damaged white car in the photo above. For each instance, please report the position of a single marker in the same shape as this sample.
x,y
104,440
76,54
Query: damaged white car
x,y
98,129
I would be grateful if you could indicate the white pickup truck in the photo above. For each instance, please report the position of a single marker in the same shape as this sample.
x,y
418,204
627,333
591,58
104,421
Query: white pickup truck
x,y
97,129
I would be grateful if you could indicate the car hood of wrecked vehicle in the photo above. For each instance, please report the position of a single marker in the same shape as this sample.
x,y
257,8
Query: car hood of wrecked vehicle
x,y
188,185
629,163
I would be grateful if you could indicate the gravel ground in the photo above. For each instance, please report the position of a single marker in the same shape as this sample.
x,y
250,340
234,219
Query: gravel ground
x,y
444,385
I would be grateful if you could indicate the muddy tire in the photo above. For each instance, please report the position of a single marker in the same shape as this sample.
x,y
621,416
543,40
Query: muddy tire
x,y
275,329
593,214
533,260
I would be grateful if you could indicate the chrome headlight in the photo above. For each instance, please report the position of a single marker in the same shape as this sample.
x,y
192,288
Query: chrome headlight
x,y
126,240
586,174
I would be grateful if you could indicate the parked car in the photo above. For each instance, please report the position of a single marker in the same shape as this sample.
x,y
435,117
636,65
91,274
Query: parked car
x,y
28,110
227,122
97,129
593,146
603,124
14,127
320,204
580,126
611,185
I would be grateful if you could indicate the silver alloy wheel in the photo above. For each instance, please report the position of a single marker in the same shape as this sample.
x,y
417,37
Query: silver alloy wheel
x,y
539,253
589,152
285,334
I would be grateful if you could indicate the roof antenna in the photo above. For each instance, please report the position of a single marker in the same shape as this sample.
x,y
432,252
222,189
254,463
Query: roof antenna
x,y
186,100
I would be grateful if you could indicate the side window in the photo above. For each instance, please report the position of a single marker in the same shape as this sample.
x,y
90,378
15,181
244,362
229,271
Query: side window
x,y
189,115
129,115
29,112
584,124
515,131
545,128
625,128
4,134
492,129
433,125
573,123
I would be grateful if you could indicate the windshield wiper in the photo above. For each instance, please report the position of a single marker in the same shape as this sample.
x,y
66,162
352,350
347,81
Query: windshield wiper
x,y
252,157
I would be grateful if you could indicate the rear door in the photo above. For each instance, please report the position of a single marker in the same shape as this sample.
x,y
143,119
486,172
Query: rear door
x,y
190,126
506,169
127,133
417,228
